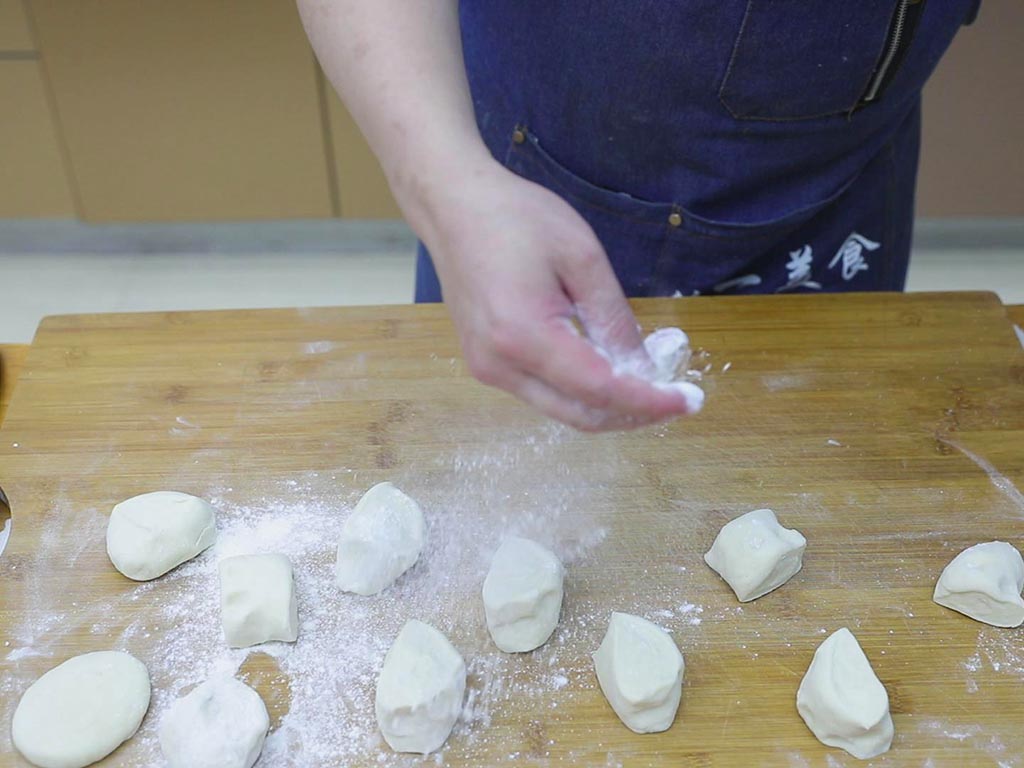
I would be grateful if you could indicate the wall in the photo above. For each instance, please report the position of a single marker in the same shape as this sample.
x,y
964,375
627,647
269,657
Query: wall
x,y
186,110
972,162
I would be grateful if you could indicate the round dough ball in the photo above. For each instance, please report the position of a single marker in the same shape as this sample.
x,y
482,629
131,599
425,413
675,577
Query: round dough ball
x,y
220,724
82,710
148,535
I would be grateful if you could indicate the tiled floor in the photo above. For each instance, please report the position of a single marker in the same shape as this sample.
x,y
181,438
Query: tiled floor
x,y
35,285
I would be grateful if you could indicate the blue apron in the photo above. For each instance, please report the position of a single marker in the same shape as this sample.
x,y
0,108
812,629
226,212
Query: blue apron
x,y
716,146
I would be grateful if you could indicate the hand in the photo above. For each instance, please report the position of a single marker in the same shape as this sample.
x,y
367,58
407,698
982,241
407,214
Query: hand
x,y
517,266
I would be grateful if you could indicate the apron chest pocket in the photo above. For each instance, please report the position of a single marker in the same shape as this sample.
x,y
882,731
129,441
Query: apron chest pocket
x,y
797,61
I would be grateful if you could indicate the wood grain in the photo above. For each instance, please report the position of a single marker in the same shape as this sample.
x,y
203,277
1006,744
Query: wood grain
x,y
853,417
1016,313
12,358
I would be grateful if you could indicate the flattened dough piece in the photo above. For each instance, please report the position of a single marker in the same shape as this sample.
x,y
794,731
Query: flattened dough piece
x,y
257,600
148,535
755,554
379,541
420,689
220,724
640,670
985,582
82,710
842,701
523,595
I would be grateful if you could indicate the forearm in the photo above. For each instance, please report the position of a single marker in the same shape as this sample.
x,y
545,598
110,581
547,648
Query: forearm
x,y
398,66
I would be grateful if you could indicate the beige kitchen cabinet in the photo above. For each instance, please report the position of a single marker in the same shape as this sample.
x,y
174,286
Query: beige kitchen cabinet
x,y
186,109
15,33
33,178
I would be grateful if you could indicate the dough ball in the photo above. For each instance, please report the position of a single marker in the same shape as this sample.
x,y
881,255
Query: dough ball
x,y
985,582
668,348
842,701
640,670
148,535
420,689
220,724
754,554
380,541
693,394
257,600
522,595
82,710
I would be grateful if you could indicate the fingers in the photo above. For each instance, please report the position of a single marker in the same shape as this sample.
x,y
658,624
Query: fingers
x,y
554,354
590,283
554,404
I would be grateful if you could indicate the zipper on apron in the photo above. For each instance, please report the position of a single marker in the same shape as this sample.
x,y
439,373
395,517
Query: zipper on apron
x,y
899,37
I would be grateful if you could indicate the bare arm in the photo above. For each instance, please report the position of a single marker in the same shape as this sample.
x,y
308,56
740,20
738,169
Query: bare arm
x,y
398,66
516,262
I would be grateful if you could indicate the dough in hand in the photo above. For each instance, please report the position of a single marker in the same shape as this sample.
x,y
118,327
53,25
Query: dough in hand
x,y
522,595
640,670
257,600
380,541
420,689
842,701
82,710
220,724
148,535
754,554
669,350
985,582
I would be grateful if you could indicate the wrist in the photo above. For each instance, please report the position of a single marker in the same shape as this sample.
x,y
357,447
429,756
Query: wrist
x,y
433,190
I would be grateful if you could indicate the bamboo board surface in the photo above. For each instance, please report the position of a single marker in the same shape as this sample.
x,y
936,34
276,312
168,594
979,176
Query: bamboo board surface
x,y
12,358
887,428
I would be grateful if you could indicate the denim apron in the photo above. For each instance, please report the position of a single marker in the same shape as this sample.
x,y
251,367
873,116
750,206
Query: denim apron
x,y
716,146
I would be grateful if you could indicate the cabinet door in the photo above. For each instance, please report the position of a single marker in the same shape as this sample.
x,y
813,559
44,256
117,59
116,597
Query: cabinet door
x,y
15,34
186,109
33,181
362,189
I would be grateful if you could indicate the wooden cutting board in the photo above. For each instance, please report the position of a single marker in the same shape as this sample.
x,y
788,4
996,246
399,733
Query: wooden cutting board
x,y
889,429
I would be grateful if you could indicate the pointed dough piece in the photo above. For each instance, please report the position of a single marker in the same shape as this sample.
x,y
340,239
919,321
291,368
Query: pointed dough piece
x,y
842,701
420,690
379,541
522,595
640,670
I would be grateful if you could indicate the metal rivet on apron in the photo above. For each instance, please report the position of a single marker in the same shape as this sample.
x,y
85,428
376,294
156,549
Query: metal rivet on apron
x,y
518,136
675,219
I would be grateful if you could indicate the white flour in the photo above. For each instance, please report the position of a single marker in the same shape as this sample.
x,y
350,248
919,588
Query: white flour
x,y
326,683
669,364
